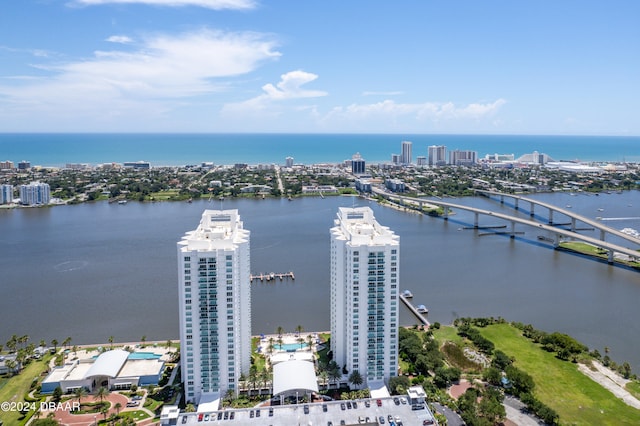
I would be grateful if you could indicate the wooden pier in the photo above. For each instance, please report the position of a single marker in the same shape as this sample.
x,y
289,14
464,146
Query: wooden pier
x,y
413,309
272,276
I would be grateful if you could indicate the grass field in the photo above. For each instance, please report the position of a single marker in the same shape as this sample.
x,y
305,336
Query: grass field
x,y
17,386
575,397
447,333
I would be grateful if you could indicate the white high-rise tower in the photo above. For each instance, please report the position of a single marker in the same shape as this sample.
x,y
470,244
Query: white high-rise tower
x,y
215,305
406,156
364,295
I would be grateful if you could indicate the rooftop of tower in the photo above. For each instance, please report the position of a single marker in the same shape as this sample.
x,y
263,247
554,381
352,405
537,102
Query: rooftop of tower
x,y
361,227
217,229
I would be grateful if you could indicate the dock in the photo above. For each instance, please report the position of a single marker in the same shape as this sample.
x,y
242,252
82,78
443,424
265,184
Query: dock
x,y
272,276
415,312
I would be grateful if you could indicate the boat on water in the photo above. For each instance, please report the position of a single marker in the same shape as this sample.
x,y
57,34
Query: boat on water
x,y
568,206
631,231
601,209
407,294
122,201
422,309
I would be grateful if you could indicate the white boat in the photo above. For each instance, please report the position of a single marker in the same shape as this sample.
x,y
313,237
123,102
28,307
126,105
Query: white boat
x,y
122,202
422,309
407,294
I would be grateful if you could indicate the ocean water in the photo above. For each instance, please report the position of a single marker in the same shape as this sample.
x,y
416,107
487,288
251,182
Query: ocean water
x,y
180,149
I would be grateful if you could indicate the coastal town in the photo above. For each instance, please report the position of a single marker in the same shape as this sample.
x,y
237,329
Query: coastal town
x,y
24,184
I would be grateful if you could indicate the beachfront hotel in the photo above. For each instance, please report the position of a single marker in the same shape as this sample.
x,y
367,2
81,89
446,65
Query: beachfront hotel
x,y
364,295
215,306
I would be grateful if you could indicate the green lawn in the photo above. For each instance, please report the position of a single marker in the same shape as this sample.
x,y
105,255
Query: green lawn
x,y
17,386
575,397
634,388
447,333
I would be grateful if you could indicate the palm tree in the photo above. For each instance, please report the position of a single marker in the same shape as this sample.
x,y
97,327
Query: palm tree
x,y
324,377
66,342
265,377
43,343
118,407
54,342
80,392
355,378
102,393
168,344
335,373
111,341
143,339
299,330
271,346
11,366
310,342
280,331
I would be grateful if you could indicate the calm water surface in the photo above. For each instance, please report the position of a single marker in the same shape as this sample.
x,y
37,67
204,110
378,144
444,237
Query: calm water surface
x,y
92,271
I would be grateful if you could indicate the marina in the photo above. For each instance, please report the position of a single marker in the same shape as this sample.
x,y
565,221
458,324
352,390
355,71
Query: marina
x,y
419,312
272,276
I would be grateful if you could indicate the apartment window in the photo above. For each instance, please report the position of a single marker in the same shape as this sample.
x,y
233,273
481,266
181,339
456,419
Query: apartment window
x,y
187,258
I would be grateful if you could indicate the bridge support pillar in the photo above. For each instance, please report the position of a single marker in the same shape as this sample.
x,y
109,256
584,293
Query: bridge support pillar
x,y
516,200
446,213
550,217
502,199
531,213
475,220
610,256
573,224
420,205
602,235
513,230
556,241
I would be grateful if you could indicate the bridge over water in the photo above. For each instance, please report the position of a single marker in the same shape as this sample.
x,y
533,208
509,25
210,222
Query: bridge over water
x,y
551,208
559,233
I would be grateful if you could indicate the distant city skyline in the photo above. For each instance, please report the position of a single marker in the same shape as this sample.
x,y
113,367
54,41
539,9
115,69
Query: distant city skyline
x,y
498,67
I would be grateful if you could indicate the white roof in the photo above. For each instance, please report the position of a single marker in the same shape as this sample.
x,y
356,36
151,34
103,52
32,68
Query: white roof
x,y
377,389
292,375
108,364
209,401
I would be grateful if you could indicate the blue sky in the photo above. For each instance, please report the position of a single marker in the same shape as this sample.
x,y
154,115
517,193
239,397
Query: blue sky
x,y
414,66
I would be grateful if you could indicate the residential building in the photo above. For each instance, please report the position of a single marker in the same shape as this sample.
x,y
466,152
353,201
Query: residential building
x,y
6,194
357,164
35,194
421,160
463,158
137,165
394,185
437,155
24,165
6,165
364,295
288,162
215,305
396,158
406,156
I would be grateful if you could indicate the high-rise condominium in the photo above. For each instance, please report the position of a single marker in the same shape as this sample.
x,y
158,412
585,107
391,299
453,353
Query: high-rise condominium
x,y
406,156
437,155
215,305
364,295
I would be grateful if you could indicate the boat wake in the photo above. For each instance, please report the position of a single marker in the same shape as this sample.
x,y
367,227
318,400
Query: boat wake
x,y
72,265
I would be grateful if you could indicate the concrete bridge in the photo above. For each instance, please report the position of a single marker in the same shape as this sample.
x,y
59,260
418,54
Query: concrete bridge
x,y
611,248
551,208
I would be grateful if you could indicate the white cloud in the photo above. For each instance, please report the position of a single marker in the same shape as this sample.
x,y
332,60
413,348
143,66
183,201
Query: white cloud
x,y
432,111
209,4
162,70
119,39
289,87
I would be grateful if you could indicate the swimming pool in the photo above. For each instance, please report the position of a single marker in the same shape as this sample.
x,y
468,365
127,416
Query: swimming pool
x,y
143,355
291,347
